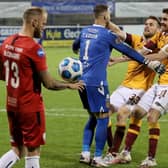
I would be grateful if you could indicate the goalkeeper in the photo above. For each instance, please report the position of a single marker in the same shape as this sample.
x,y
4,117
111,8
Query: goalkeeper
x,y
96,43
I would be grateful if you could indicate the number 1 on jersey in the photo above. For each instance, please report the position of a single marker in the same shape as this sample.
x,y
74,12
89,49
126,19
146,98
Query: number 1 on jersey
x,y
86,50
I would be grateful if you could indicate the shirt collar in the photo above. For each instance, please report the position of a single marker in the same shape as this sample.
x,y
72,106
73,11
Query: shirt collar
x,y
98,25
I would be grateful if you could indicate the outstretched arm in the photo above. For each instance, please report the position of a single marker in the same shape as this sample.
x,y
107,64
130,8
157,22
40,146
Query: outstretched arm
x,y
52,84
131,53
116,60
162,54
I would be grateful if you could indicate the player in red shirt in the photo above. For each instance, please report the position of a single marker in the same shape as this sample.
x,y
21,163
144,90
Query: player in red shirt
x,y
25,68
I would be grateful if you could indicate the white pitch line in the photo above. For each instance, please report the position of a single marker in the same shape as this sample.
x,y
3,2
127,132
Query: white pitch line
x,y
56,109
55,112
67,115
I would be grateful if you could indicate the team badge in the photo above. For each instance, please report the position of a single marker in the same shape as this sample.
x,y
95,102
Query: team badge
x,y
40,52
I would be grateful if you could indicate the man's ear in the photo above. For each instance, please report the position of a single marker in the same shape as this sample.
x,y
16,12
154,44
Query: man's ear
x,y
34,23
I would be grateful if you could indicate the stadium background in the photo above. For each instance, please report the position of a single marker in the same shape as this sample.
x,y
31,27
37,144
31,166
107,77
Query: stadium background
x,y
64,114
66,18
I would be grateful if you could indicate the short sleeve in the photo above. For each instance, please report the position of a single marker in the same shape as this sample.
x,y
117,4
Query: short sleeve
x,y
38,57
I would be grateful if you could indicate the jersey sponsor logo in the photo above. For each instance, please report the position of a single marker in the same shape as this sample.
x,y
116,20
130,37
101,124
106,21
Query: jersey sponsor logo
x,y
40,52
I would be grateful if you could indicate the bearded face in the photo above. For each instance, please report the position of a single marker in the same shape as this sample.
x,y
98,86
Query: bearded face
x,y
37,32
39,26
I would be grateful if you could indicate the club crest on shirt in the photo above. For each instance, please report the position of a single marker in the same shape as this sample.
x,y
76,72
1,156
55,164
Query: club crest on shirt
x,y
40,52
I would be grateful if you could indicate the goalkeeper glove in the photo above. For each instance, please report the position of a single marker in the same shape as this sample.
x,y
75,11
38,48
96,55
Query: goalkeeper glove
x,y
156,66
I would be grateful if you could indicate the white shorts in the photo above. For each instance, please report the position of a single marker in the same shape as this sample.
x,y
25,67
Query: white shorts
x,y
156,97
122,94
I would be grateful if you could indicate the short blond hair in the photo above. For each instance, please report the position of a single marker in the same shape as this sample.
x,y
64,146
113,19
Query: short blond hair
x,y
32,12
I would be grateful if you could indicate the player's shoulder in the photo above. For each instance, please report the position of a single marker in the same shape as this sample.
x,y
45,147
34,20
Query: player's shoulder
x,y
136,37
30,45
158,35
36,49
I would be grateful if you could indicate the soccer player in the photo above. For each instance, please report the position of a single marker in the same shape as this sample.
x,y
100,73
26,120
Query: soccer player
x,y
154,101
137,80
25,68
95,43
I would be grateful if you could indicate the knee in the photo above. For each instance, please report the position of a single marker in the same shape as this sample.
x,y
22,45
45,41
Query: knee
x,y
122,115
31,151
123,112
138,112
153,116
151,119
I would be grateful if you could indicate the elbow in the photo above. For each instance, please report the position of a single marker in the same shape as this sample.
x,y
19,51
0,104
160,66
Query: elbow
x,y
47,85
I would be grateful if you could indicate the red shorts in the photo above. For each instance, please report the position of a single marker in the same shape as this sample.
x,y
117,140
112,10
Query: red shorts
x,y
27,128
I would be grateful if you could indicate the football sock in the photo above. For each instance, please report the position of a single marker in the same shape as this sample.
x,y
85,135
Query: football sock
x,y
8,159
32,162
101,135
118,137
154,133
89,133
132,133
109,134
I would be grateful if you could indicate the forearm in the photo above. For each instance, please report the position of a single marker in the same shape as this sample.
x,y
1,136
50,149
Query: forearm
x,y
50,83
162,54
116,29
155,56
53,84
56,85
123,58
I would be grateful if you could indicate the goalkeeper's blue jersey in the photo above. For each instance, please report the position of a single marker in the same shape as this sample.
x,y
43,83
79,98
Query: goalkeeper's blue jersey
x,y
96,43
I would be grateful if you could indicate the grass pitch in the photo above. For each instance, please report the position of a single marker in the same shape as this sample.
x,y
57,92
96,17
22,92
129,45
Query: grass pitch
x,y
65,120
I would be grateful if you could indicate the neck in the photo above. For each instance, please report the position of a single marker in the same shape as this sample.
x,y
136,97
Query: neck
x,y
26,31
99,22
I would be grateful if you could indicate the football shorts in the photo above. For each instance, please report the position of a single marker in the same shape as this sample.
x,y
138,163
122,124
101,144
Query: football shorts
x,y
156,97
94,98
122,95
27,128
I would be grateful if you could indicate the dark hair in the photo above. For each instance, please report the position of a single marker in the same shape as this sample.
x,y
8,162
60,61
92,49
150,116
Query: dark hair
x,y
165,10
154,18
99,9
33,11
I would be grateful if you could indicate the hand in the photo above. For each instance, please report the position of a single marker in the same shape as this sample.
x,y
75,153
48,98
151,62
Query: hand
x,y
156,66
112,61
78,85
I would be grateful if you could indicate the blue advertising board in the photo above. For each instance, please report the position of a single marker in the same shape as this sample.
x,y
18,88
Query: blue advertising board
x,y
6,31
52,36
70,7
